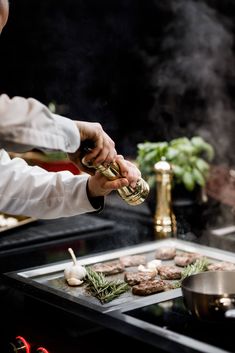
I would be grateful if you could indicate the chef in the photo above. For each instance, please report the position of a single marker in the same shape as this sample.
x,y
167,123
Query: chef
x,y
32,191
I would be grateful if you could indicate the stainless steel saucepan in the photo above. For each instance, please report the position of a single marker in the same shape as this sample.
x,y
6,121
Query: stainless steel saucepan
x,y
210,295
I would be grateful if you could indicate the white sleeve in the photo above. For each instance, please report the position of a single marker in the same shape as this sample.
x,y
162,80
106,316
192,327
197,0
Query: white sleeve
x,y
27,123
32,191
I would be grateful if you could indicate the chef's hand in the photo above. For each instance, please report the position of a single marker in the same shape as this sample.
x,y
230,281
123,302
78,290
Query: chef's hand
x,y
103,147
128,170
99,185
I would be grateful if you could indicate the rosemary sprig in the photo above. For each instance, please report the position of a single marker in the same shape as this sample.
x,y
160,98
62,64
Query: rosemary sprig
x,y
103,289
200,265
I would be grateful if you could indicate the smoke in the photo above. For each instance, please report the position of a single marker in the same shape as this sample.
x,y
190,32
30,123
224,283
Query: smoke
x,y
193,80
151,70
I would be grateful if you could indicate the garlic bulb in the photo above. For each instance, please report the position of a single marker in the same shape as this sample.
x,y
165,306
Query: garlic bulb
x,y
74,273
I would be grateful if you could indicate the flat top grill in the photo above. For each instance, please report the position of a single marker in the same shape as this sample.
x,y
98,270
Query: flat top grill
x,y
51,277
46,283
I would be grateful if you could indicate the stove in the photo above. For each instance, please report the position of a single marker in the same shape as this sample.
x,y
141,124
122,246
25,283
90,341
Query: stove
x,y
160,320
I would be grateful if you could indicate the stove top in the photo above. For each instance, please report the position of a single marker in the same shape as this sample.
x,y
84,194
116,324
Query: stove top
x,y
159,320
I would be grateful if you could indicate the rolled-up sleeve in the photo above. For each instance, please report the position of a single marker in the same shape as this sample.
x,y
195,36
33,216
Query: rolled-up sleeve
x,y
26,123
32,191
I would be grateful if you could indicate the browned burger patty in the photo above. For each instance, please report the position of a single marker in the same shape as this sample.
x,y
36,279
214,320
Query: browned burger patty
x,y
165,253
221,266
133,278
169,272
133,260
109,268
149,287
186,258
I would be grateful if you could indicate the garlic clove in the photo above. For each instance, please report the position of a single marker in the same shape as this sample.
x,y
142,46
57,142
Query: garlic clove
x,y
142,268
74,281
154,264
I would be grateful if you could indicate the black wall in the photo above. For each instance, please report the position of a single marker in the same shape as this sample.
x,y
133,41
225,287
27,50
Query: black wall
x,y
147,70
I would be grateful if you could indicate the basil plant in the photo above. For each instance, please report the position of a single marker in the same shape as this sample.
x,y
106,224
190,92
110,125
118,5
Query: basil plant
x,y
189,158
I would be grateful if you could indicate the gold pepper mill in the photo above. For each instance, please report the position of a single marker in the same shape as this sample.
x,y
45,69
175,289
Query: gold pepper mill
x,y
164,218
133,196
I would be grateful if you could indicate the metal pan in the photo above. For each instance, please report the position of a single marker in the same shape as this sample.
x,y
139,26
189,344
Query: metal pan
x,y
210,295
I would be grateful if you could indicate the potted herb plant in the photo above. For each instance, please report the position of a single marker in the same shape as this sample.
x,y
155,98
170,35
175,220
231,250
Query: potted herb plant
x,y
190,159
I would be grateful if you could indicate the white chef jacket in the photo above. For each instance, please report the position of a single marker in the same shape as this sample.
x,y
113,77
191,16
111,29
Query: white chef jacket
x,y
31,190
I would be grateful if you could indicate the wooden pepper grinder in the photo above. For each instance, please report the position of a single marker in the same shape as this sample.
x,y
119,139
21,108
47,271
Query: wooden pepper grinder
x,y
164,218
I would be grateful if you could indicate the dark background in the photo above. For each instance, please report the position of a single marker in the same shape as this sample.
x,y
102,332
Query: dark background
x,y
146,70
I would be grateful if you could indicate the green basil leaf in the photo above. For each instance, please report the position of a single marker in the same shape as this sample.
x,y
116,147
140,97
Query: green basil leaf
x,y
198,177
188,181
202,165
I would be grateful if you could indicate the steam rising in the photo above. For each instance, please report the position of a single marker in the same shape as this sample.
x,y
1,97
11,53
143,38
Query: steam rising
x,y
146,70
198,67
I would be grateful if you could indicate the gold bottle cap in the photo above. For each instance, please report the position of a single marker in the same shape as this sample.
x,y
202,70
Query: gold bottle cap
x,y
162,166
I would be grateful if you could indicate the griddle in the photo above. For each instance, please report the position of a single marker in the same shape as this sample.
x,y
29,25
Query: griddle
x,y
46,283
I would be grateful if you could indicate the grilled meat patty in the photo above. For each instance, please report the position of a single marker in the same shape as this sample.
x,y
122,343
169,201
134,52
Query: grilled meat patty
x,y
169,272
133,278
149,287
184,259
166,253
109,268
221,266
133,260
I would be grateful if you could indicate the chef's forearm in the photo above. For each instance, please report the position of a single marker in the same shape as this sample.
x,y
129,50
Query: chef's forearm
x,y
27,123
32,191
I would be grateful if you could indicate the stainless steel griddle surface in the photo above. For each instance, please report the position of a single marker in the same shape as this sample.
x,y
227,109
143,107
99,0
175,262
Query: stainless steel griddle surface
x,y
47,284
51,278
